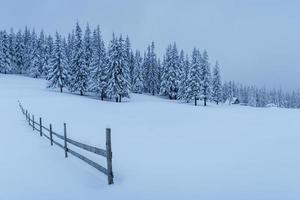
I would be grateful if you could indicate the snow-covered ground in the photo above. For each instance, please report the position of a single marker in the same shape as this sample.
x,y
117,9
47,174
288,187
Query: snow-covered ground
x,y
161,149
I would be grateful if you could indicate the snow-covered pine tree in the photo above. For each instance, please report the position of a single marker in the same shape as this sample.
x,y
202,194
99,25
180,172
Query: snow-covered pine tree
x,y
87,48
57,74
69,53
129,58
19,52
159,75
118,82
11,49
41,51
153,71
78,70
113,65
216,84
33,56
164,73
125,80
27,53
48,54
99,69
205,78
170,81
183,75
150,70
4,53
138,82
193,87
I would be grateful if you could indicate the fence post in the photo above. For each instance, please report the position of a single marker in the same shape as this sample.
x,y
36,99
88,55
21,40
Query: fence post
x,y
33,122
41,131
110,175
65,140
51,140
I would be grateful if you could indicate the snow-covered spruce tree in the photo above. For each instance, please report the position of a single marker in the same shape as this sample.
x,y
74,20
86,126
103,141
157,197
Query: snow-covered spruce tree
x,y
27,53
41,51
19,52
69,46
33,56
124,82
138,82
170,79
57,75
129,59
193,87
11,49
99,69
150,70
87,48
205,78
4,53
159,75
78,71
216,84
184,72
48,54
118,84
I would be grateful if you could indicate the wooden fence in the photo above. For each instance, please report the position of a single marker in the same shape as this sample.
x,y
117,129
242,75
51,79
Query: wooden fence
x,y
38,126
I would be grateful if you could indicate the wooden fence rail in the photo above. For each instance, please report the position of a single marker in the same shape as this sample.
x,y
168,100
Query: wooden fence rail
x,y
107,153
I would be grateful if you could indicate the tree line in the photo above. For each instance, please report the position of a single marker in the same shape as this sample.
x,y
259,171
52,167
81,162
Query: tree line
x,y
81,63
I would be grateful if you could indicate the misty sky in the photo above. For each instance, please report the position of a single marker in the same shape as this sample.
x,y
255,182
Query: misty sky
x,y
255,41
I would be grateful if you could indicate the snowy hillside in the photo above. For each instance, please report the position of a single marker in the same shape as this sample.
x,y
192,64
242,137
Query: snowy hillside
x,y
162,149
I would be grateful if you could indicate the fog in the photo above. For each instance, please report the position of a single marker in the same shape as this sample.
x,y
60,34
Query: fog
x,y
256,42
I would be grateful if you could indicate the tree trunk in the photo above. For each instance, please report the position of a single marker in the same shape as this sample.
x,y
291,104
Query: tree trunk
x,y
117,99
120,98
204,101
195,101
81,93
61,89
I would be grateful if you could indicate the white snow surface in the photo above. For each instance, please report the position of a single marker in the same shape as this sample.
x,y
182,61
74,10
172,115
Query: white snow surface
x,y
162,149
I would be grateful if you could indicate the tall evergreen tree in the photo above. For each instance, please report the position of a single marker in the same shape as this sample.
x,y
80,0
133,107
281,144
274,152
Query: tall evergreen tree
x,y
27,53
78,70
4,53
150,70
118,84
11,49
49,46
205,78
184,72
19,52
41,54
138,82
129,59
193,87
58,74
33,56
99,69
87,48
216,84
170,80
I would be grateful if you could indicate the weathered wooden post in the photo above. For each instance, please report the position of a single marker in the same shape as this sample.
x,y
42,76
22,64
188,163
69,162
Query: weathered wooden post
x,y
65,140
51,140
33,122
41,131
110,175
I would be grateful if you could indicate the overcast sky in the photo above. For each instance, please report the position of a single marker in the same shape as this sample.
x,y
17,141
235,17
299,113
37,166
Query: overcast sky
x,y
255,41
